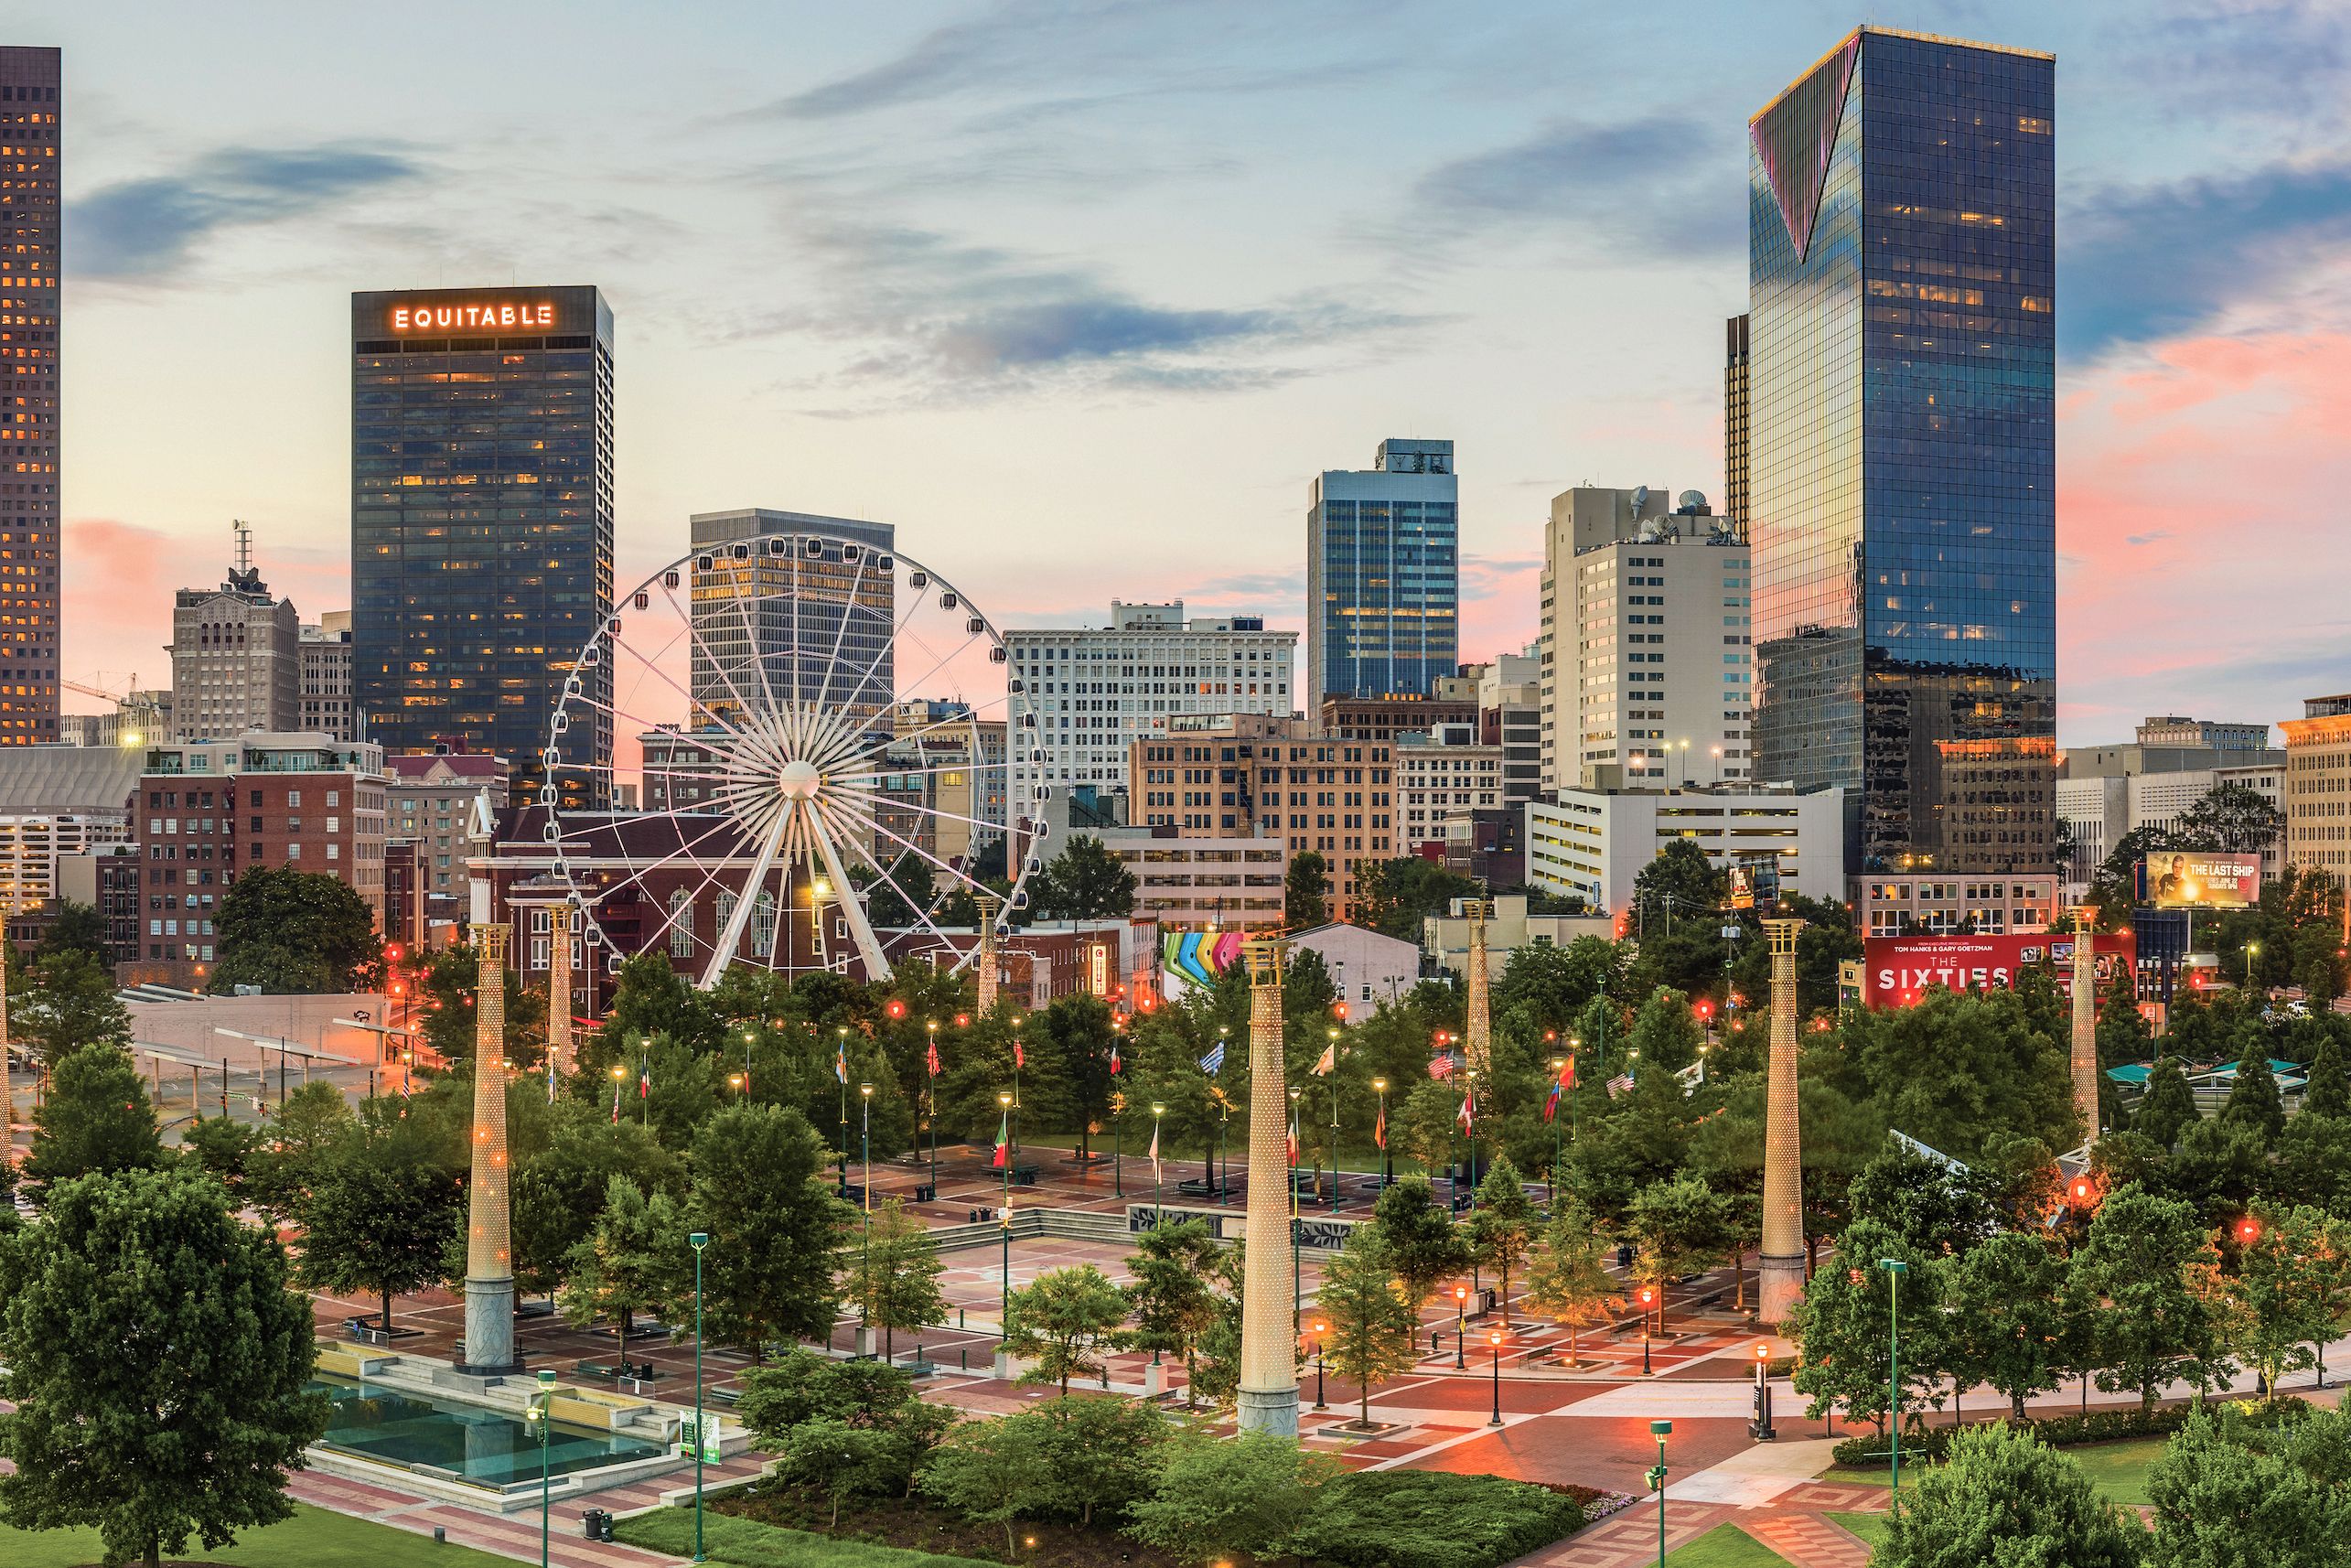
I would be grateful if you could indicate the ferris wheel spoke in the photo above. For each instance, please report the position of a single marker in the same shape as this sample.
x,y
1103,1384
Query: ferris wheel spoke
x,y
711,875
861,931
841,633
758,657
876,798
921,913
746,901
944,660
697,709
872,822
694,710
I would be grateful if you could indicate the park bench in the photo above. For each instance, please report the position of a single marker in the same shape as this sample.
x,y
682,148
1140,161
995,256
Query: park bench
x,y
1196,1187
595,1369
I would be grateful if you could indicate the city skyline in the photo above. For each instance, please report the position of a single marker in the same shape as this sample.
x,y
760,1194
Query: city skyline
x,y
873,273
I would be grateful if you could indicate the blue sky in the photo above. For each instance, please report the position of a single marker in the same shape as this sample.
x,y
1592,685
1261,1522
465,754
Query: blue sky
x,y
1081,295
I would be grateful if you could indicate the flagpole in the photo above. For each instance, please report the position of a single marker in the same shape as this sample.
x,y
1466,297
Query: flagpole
x,y
1292,1175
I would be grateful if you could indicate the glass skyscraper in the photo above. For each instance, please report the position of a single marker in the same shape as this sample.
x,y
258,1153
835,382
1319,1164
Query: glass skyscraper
x,y
1383,581
481,523
30,140
1901,389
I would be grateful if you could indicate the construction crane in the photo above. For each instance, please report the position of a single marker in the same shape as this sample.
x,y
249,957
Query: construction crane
x,y
143,713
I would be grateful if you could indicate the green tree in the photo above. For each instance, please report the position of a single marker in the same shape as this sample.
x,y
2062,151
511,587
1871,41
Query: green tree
x,y
2150,1261
382,1208
1567,1280
1249,1497
222,1147
635,1259
1929,1204
839,1460
2229,819
1843,1326
2253,1101
557,1195
1086,882
69,1002
1424,1246
996,1472
2123,1033
2281,1298
1680,883
1958,1068
94,1119
1393,897
2005,1498
294,1134
893,1276
1371,1329
1502,1225
2327,1091
158,1363
1104,1452
1063,1321
2013,1316
288,931
761,1192
78,928
2222,1499
2168,1108
1306,891
1173,1295
1681,1227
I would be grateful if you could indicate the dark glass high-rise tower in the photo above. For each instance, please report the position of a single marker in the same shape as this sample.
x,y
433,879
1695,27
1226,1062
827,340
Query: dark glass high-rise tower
x,y
481,523
30,138
1901,216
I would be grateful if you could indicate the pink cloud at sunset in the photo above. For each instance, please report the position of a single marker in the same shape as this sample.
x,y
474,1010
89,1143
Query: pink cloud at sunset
x,y
2202,555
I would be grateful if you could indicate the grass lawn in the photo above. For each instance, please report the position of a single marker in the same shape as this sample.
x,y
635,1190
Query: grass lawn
x,y
2119,1469
313,1536
750,1544
1870,1527
1725,1546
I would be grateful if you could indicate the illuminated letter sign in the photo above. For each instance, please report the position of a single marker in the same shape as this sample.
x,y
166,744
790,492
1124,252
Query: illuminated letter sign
x,y
471,317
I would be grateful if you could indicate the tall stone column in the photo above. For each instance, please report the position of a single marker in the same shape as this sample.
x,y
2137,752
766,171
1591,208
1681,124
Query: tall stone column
x,y
1780,1278
7,1089
1268,1324
1480,1030
2084,1041
490,1256
559,992
986,962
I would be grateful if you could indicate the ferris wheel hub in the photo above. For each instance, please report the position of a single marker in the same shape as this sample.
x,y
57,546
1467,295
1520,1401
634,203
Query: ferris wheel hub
x,y
798,780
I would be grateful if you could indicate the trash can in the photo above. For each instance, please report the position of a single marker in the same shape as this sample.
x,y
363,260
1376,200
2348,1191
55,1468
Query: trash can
x,y
595,1524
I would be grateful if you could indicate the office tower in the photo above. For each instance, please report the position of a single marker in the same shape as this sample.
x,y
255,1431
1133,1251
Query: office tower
x,y
1383,584
327,677
1097,690
2318,781
1510,714
796,590
1647,670
236,659
1901,226
30,215
481,523
1734,420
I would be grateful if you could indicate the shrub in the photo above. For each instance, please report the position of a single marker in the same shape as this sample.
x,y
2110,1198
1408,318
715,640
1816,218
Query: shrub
x,y
1433,1519
1929,1444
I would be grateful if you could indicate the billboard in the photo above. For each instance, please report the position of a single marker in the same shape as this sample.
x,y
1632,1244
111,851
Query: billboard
x,y
1754,882
1897,971
2195,879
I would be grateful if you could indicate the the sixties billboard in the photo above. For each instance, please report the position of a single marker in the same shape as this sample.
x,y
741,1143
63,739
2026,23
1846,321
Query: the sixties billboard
x,y
1898,970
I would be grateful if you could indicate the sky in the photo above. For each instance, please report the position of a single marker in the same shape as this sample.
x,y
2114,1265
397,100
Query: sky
x,y
1081,293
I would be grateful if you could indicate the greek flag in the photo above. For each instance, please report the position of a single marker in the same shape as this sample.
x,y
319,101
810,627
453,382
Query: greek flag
x,y
1214,1062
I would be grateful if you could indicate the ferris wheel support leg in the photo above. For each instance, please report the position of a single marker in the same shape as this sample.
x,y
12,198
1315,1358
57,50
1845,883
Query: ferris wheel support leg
x,y
723,954
877,967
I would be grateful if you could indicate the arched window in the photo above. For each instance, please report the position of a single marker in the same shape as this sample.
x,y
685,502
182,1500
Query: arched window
x,y
682,924
763,925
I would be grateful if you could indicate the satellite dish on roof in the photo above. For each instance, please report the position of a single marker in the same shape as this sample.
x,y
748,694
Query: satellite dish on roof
x,y
1690,500
1641,499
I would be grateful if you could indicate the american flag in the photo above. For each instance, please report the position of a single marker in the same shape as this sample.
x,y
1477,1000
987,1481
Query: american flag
x,y
1442,1067
1620,1084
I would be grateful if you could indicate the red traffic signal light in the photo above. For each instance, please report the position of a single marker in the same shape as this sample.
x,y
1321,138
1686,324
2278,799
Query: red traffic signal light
x,y
1705,1009
391,952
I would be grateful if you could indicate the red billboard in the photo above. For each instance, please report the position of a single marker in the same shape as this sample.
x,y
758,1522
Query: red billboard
x,y
1898,970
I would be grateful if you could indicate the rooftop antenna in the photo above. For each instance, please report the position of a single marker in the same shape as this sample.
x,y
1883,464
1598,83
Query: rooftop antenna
x,y
244,544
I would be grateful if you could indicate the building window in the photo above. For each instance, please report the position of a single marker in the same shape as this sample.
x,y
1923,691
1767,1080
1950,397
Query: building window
x,y
682,925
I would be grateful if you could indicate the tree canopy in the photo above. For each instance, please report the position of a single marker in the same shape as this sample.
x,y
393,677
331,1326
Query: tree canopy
x,y
287,930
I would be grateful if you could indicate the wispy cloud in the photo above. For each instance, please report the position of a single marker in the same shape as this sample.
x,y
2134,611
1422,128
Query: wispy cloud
x,y
150,228
2153,261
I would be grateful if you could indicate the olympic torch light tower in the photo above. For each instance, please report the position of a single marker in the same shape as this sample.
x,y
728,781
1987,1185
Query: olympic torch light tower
x,y
986,964
2084,1040
1269,1303
1780,1277
1480,1024
559,991
7,1089
490,1256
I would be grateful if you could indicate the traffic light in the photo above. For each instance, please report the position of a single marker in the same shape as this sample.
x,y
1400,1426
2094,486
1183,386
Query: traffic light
x,y
391,952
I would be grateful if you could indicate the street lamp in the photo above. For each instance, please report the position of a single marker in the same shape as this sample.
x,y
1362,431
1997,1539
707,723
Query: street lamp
x,y
1322,1331
841,1071
1333,1038
1648,1299
1386,1160
1495,1340
1296,1276
1460,1327
618,1072
1660,1430
2251,948
700,1239
735,1082
536,1413
1004,1104
1158,1185
746,1059
1894,1269
865,1154
1558,1066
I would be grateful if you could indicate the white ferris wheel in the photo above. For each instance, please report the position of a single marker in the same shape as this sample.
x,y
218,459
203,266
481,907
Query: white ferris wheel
x,y
822,731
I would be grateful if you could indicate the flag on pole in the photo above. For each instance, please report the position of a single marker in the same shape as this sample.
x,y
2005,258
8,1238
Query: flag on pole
x,y
1620,1084
933,1058
1441,1067
1468,1116
1214,1062
1327,1060
1154,1148
841,1062
1114,1058
1020,1057
1003,1141
1566,1081
1294,1135
644,1078
1380,1128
